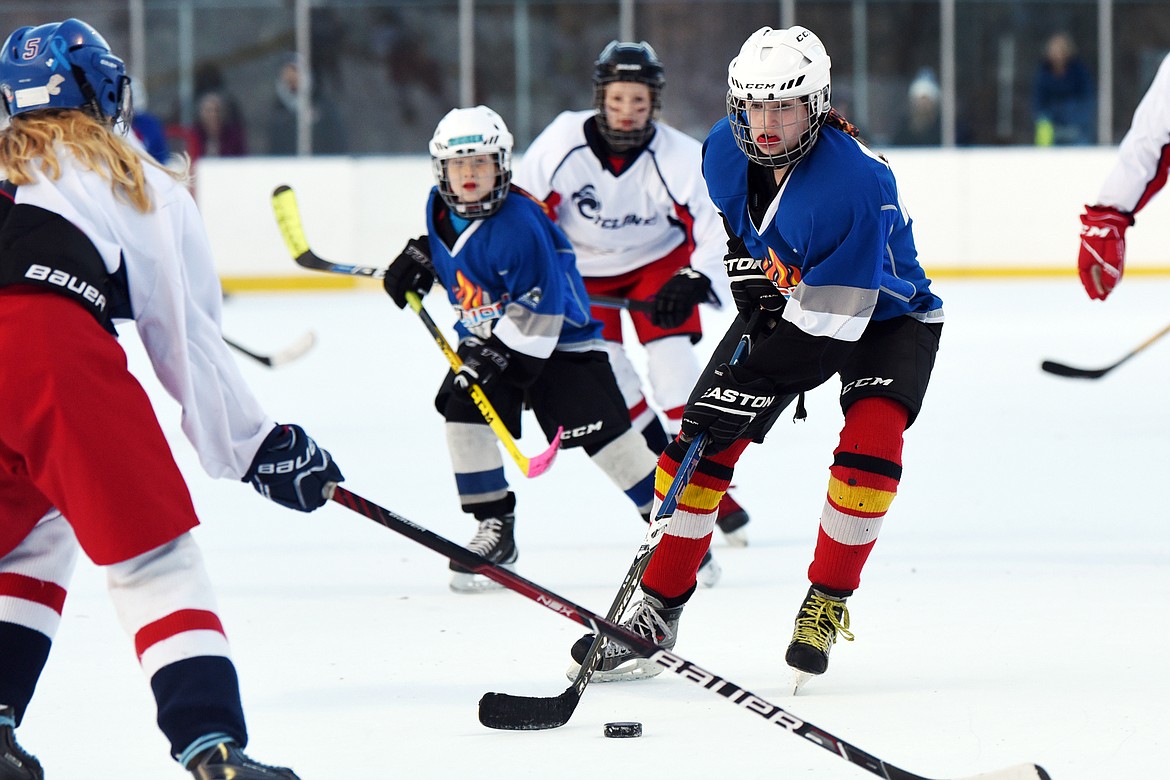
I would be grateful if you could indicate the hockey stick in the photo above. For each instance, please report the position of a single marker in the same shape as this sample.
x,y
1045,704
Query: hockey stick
x,y
288,218
532,467
632,304
278,359
1060,369
745,699
531,713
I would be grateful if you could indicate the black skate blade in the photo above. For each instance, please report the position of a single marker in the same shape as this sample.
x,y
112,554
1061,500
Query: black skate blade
x,y
527,713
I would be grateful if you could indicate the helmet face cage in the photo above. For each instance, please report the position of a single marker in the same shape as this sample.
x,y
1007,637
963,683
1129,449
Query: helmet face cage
x,y
778,95
633,62
63,65
797,129
472,132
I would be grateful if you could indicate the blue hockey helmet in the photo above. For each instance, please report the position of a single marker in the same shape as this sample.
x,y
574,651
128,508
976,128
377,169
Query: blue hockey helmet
x,y
62,65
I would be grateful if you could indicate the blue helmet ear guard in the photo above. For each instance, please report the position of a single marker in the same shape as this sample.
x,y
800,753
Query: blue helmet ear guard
x,y
63,65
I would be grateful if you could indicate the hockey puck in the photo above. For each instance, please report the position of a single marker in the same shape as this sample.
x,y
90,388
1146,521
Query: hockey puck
x,y
623,729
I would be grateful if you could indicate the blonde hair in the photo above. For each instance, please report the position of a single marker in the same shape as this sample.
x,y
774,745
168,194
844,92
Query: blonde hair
x,y
37,136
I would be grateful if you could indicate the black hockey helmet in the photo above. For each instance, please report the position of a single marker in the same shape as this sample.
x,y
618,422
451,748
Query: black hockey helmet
x,y
626,61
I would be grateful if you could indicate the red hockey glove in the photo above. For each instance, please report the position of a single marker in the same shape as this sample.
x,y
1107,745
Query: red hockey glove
x,y
1102,256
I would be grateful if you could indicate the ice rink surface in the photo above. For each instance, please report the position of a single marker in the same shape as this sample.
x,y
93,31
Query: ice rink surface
x,y
1010,612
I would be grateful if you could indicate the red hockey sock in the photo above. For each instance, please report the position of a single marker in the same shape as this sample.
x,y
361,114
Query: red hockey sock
x,y
867,466
676,561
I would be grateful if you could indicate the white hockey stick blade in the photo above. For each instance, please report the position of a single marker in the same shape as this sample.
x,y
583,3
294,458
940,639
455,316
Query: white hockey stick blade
x,y
295,350
1021,772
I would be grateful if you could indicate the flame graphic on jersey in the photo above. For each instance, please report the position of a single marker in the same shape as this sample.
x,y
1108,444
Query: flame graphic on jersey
x,y
469,295
784,276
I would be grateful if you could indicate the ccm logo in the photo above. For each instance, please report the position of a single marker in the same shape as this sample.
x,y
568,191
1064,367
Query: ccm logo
x,y
42,273
582,430
1098,232
866,382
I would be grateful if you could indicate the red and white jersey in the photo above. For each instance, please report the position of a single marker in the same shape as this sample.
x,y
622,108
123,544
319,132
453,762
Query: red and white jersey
x,y
621,220
1144,154
175,300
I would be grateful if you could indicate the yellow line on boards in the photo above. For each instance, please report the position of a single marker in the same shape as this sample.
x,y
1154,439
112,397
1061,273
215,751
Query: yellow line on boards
x,y
324,281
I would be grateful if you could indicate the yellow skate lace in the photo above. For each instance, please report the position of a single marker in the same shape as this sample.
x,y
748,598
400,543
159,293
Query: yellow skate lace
x,y
819,623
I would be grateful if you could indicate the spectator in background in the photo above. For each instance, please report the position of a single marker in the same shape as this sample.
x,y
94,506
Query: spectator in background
x,y
409,67
328,133
1062,96
218,132
922,125
149,128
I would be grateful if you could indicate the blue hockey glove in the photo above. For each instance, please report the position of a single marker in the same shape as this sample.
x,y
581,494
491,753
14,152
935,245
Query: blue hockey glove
x,y
292,470
726,408
677,299
411,271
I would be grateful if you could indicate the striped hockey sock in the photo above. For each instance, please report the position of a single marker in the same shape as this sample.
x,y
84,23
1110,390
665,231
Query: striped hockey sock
x,y
867,466
676,561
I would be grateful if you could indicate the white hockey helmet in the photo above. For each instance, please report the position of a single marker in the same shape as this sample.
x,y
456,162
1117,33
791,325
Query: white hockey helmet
x,y
779,66
470,132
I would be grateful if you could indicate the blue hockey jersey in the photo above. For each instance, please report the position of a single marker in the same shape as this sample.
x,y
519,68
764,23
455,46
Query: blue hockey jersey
x,y
514,274
836,238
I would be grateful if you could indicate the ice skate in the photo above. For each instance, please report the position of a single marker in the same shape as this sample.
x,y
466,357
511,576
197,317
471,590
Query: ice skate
x,y
709,571
226,761
821,619
648,618
732,521
15,763
493,540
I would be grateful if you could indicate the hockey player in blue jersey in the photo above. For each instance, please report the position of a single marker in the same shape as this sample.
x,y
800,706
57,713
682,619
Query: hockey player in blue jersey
x,y
525,332
824,272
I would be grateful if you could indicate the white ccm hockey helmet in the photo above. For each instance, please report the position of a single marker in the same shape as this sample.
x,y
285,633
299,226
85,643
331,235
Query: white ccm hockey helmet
x,y
779,65
468,132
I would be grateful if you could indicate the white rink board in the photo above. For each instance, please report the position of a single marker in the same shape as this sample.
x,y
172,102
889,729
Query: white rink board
x,y
974,210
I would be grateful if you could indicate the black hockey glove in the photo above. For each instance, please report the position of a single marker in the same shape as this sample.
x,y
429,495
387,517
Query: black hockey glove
x,y
411,271
678,298
292,470
483,361
750,289
726,408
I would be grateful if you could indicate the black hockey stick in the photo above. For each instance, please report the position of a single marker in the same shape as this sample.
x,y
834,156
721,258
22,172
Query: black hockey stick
x,y
532,713
745,699
284,356
1060,369
632,304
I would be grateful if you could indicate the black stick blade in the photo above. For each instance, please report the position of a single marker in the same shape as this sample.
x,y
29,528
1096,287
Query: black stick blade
x,y
1060,369
527,713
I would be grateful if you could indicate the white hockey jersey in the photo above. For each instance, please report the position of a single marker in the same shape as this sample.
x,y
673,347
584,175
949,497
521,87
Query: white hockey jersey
x,y
175,299
1144,155
619,221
